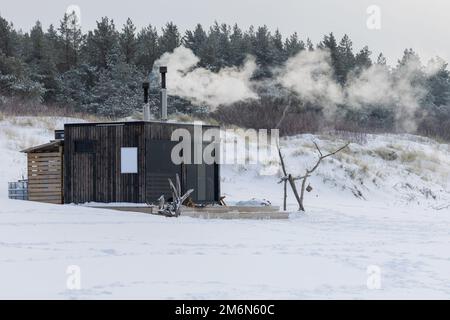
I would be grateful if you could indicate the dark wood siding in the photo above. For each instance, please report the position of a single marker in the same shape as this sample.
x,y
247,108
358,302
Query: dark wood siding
x,y
97,177
160,169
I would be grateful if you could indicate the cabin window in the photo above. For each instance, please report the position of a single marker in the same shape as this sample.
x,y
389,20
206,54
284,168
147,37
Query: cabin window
x,y
84,146
129,160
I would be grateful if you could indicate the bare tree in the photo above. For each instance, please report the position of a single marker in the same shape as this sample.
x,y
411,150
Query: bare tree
x,y
289,178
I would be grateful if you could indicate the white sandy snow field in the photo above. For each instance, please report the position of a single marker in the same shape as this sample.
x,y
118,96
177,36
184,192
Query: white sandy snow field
x,y
384,203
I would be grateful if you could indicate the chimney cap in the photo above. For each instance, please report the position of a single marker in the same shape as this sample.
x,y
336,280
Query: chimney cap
x,y
163,69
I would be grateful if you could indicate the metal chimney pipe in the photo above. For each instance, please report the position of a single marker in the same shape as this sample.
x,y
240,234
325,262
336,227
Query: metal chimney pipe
x,y
163,71
146,111
146,86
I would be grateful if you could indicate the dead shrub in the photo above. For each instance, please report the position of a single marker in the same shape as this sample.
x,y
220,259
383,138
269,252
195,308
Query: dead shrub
x,y
268,114
386,154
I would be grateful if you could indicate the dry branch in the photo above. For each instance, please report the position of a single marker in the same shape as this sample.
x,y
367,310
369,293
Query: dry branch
x,y
289,178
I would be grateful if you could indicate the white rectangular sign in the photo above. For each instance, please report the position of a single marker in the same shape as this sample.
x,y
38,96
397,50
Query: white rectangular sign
x,y
129,160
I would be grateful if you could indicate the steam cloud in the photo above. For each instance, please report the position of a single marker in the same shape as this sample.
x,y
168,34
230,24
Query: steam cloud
x,y
309,74
202,86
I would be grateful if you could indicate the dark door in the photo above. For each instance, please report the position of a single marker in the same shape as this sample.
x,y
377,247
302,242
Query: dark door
x,y
83,178
159,169
83,171
203,179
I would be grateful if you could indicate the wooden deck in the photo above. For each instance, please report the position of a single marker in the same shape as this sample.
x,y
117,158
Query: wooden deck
x,y
233,212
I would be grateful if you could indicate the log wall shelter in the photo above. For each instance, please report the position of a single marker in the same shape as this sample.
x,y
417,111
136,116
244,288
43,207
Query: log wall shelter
x,y
127,162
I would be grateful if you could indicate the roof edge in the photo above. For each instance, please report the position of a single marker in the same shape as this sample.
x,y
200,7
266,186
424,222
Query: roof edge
x,y
53,143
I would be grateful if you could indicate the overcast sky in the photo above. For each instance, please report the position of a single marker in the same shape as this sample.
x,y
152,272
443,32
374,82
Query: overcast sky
x,y
421,24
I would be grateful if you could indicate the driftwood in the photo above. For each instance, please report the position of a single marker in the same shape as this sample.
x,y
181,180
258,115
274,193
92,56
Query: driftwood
x,y
289,178
173,209
222,201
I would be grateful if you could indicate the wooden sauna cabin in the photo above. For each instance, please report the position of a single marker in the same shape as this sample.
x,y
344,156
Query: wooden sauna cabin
x,y
45,164
116,162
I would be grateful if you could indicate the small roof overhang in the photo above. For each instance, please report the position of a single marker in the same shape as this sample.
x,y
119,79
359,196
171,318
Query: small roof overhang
x,y
50,146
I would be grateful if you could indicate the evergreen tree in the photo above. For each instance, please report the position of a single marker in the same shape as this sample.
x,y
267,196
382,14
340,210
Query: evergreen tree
x,y
196,40
71,41
216,55
76,87
148,50
439,84
346,59
249,38
263,51
118,91
362,59
128,43
100,43
36,54
278,52
224,45
15,81
436,121
7,43
410,69
53,42
170,38
409,56
239,47
329,43
293,45
309,45
41,62
381,60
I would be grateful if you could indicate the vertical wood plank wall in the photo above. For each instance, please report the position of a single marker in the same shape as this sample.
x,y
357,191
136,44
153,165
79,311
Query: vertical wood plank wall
x,y
97,177
45,176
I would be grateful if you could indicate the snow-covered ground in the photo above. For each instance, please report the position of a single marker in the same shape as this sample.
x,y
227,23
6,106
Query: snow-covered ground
x,y
383,204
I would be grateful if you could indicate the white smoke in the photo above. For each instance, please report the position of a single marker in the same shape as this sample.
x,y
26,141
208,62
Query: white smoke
x,y
202,86
310,75
434,66
373,86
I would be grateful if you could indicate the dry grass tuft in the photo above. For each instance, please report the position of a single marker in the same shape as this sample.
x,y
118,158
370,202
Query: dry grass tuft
x,y
386,154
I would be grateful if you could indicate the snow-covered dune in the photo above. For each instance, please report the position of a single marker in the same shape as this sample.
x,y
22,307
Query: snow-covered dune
x,y
379,209
395,169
